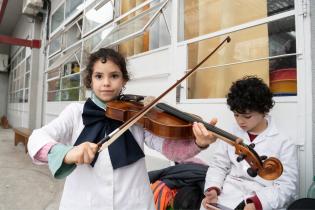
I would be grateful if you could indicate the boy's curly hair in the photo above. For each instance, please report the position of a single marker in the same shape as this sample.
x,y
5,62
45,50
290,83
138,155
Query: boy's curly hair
x,y
103,55
250,94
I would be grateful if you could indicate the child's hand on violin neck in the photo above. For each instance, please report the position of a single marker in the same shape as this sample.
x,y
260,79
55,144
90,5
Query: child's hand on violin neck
x,y
81,154
203,136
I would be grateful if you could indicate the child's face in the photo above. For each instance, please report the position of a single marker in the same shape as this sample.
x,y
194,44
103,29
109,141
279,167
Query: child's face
x,y
107,80
251,121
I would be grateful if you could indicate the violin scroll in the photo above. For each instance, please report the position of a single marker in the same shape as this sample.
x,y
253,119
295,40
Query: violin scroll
x,y
271,169
267,168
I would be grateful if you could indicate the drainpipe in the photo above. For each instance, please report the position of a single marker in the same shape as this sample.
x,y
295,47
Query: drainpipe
x,y
3,7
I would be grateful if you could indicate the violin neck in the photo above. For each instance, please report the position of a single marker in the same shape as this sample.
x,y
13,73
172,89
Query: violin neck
x,y
229,138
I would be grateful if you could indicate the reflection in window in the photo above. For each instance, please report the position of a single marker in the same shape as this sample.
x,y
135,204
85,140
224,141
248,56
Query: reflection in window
x,y
54,84
73,34
258,50
97,14
26,96
73,6
28,64
27,80
147,29
53,73
71,81
55,45
70,94
53,96
195,16
57,18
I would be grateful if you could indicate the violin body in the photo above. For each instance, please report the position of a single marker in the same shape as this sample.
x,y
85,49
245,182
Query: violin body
x,y
157,121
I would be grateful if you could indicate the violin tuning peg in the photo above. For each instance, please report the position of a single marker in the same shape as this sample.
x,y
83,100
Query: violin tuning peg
x,y
252,145
263,157
240,157
252,172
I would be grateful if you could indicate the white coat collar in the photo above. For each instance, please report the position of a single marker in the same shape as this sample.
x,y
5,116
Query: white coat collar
x,y
271,130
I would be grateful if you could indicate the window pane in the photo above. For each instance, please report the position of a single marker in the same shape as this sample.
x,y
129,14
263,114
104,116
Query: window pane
x,y
127,5
73,6
20,96
53,73
93,41
54,85
130,27
260,42
71,67
70,94
26,96
205,16
27,80
57,18
214,82
28,64
55,45
53,59
73,35
155,36
98,14
71,82
53,96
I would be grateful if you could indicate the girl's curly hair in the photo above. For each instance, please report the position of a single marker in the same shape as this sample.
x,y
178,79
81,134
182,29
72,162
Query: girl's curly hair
x,y
103,55
250,94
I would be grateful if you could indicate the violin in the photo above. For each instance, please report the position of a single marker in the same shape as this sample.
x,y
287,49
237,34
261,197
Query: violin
x,y
269,169
157,121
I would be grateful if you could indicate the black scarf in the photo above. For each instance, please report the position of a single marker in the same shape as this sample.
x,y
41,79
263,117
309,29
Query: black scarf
x,y
124,151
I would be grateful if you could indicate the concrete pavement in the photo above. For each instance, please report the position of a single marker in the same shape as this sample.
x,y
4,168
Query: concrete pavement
x,y
23,185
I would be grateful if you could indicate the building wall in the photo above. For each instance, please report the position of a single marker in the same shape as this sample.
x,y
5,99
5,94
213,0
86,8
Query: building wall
x,y
312,12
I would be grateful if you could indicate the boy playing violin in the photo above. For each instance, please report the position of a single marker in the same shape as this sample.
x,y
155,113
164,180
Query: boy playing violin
x,y
115,178
227,181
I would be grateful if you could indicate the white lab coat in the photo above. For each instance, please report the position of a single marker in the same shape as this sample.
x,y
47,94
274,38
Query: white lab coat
x,y
236,185
101,187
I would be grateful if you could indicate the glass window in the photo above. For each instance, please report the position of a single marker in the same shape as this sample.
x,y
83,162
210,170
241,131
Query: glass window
x,y
28,64
73,6
73,34
57,18
206,16
27,80
267,51
53,59
146,31
71,81
55,45
53,73
97,14
94,40
54,84
72,53
53,96
70,94
26,96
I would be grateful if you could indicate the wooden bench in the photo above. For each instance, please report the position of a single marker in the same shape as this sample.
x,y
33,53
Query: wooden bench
x,y
21,135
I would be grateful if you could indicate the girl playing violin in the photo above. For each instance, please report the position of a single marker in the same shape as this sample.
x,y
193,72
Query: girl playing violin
x,y
227,181
115,178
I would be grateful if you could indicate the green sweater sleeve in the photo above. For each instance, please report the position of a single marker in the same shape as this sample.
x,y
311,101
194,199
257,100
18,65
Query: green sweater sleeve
x,y
58,168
